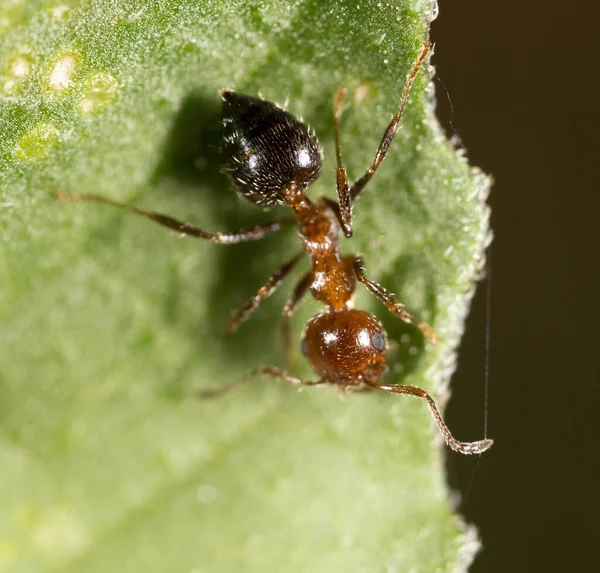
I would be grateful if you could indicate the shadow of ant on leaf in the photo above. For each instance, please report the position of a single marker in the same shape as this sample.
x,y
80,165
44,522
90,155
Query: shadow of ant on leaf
x,y
192,155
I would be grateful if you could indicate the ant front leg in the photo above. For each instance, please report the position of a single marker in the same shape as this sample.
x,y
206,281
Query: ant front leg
x,y
461,447
265,291
242,236
288,311
386,298
262,372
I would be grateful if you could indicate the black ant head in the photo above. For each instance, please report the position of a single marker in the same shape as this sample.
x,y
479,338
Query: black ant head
x,y
346,345
267,149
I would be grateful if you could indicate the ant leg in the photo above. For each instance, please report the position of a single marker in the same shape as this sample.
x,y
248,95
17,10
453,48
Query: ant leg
x,y
461,447
263,372
344,210
288,311
245,311
386,298
392,128
241,236
337,211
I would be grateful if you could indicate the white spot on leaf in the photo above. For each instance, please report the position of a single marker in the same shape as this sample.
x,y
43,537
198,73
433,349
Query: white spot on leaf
x,y
37,142
16,72
62,72
100,91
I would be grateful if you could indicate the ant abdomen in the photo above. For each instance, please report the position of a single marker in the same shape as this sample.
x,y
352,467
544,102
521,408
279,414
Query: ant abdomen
x,y
346,345
266,149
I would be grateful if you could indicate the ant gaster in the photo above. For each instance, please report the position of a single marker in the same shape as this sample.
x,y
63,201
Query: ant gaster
x,y
272,158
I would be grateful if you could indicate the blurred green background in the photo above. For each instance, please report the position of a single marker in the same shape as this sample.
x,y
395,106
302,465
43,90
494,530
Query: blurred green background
x,y
523,81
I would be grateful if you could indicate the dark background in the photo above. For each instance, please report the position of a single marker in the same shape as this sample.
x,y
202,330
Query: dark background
x,y
523,78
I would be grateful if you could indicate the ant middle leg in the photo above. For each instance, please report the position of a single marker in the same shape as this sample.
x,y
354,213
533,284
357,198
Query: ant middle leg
x,y
245,311
461,447
386,298
243,235
262,372
392,128
288,311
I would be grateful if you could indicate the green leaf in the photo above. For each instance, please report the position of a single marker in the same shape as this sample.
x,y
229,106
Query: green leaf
x,y
109,323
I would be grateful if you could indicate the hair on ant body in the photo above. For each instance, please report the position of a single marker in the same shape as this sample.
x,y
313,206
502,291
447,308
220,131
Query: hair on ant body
x,y
272,158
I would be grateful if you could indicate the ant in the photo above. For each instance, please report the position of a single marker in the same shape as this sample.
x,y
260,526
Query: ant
x,y
272,157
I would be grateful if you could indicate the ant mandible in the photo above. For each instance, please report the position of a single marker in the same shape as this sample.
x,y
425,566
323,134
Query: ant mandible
x,y
272,158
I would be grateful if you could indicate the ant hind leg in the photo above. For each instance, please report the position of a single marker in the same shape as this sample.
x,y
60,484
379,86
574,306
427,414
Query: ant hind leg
x,y
241,236
344,211
346,193
392,127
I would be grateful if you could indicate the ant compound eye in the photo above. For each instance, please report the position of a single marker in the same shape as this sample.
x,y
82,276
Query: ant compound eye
x,y
378,342
304,347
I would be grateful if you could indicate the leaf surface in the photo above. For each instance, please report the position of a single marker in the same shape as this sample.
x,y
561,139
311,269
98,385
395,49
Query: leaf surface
x,y
109,323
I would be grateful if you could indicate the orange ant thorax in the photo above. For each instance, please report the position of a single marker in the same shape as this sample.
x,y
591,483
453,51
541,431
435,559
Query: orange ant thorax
x,y
333,279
